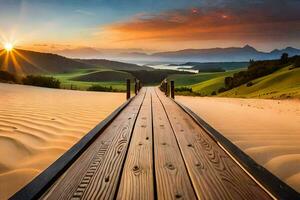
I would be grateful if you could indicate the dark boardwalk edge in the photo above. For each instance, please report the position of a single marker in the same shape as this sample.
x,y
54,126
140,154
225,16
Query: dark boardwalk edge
x,y
43,181
274,185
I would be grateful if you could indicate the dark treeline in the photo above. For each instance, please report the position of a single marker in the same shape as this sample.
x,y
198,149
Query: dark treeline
x,y
155,76
183,89
41,81
258,69
100,88
7,77
212,65
216,69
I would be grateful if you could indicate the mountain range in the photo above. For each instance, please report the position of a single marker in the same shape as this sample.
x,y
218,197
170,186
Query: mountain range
x,y
30,62
186,55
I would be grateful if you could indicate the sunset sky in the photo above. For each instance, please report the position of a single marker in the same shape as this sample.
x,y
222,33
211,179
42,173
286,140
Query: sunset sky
x,y
153,25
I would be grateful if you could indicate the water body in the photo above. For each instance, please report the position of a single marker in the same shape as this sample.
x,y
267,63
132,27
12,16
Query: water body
x,y
185,68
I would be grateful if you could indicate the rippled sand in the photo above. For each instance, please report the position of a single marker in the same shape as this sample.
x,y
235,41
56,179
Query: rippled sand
x,y
37,125
267,130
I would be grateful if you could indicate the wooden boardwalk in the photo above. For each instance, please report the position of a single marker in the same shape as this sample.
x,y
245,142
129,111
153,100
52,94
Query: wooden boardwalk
x,y
150,149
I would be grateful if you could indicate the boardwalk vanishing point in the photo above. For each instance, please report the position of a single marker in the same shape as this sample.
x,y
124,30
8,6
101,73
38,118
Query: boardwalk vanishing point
x,y
154,148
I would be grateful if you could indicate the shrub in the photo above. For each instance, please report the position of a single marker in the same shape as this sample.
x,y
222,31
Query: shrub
x,y
297,63
228,82
183,89
101,88
7,77
213,93
222,90
284,58
249,84
41,81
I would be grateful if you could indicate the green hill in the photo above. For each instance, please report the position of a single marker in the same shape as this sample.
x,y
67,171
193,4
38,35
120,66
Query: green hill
x,y
202,83
79,79
262,79
22,62
284,83
103,76
191,79
113,65
156,76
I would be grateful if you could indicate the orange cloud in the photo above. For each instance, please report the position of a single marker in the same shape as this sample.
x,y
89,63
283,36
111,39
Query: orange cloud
x,y
202,25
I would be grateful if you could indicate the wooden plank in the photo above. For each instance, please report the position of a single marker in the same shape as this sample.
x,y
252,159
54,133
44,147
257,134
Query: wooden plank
x,y
44,180
172,180
95,174
137,177
274,185
213,172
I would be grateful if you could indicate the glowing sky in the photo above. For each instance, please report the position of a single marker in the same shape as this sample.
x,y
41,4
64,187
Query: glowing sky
x,y
150,24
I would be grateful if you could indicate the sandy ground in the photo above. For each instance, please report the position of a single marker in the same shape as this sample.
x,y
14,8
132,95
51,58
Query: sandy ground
x,y
37,125
267,130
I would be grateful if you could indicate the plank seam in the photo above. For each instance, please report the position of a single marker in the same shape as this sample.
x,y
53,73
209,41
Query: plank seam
x,y
180,149
128,146
153,154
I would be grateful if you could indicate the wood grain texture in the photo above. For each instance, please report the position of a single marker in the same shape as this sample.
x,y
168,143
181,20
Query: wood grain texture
x,y
137,175
172,179
95,174
275,186
213,173
154,150
40,184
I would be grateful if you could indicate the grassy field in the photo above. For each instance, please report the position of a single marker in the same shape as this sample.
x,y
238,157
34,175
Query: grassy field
x,y
72,80
202,83
82,79
284,83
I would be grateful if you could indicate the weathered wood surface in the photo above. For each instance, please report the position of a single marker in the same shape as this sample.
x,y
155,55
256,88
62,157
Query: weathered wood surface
x,y
96,173
137,176
172,179
213,173
154,150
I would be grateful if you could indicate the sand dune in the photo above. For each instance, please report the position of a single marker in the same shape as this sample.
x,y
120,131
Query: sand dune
x,y
37,125
267,130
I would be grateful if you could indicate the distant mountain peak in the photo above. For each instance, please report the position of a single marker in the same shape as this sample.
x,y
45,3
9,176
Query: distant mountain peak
x,y
290,49
275,51
248,47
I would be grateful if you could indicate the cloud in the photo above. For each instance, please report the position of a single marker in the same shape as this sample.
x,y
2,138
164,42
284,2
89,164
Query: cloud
x,y
84,12
40,45
222,20
46,46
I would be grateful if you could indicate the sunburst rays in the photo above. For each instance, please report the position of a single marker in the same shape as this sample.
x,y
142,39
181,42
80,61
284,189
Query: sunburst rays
x,y
4,65
17,67
11,62
27,60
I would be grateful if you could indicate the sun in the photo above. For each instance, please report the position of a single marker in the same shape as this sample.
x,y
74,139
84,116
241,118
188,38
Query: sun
x,y
8,46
